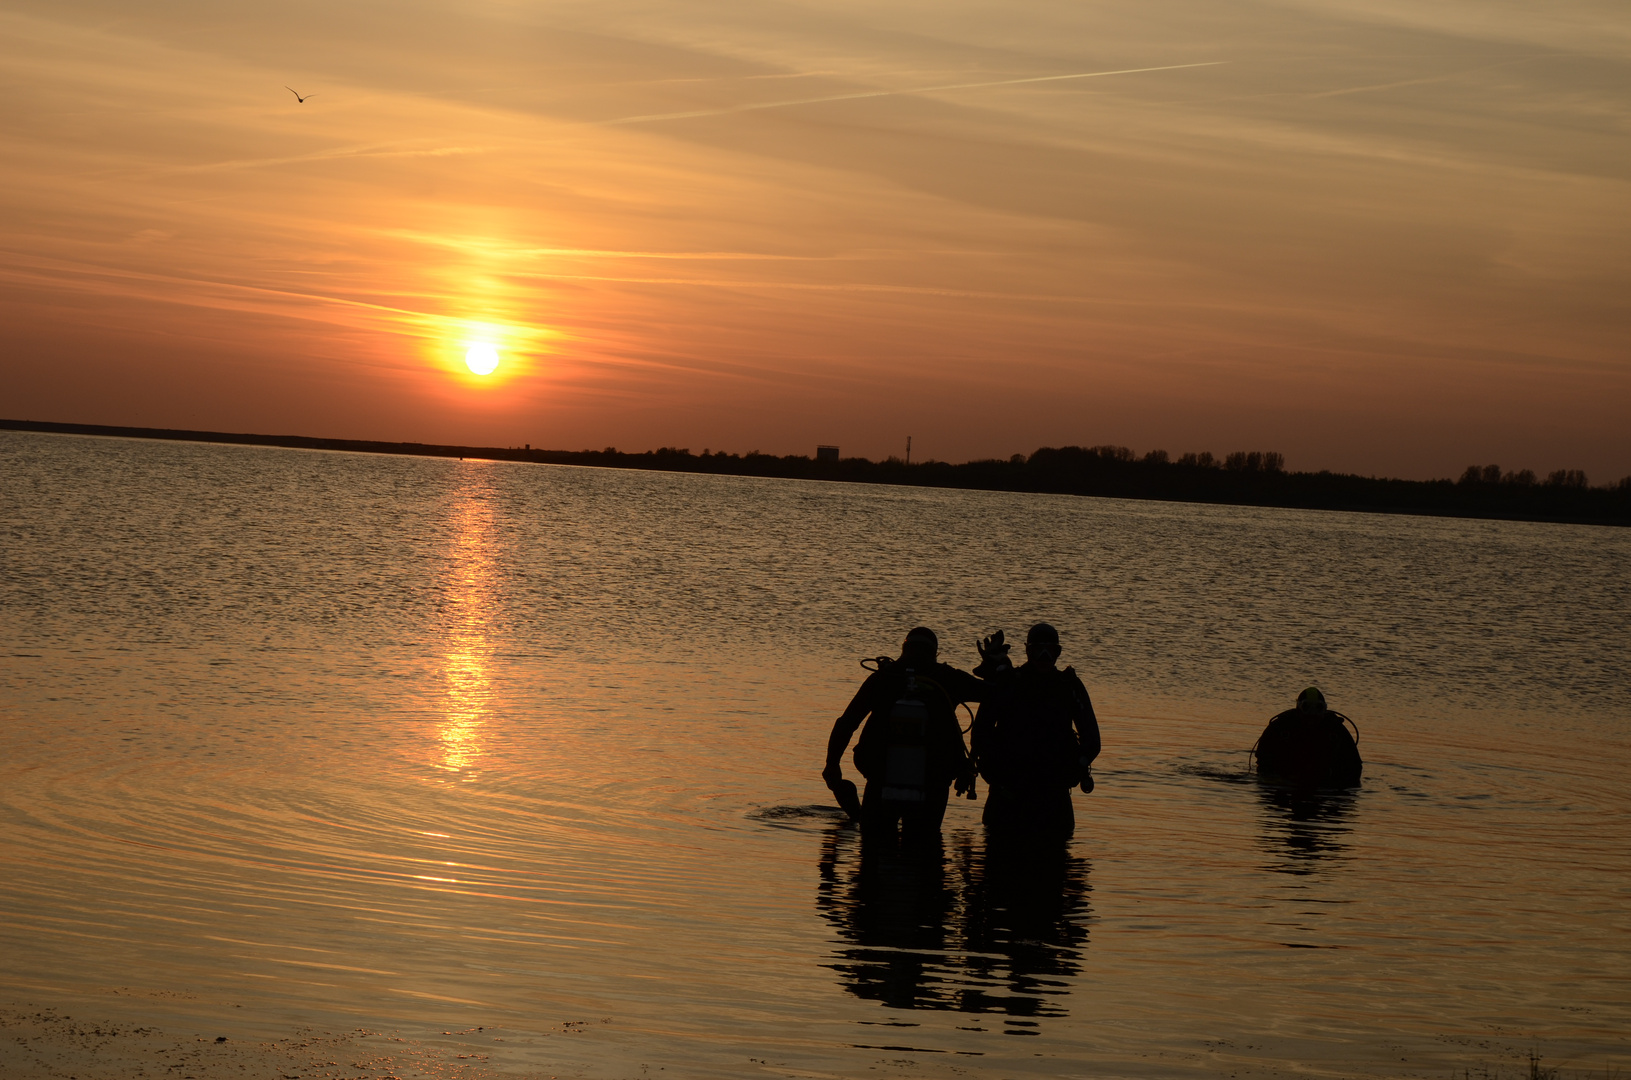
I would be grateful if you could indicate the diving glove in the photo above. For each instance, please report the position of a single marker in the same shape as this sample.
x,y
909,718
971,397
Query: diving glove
x,y
848,797
993,655
993,647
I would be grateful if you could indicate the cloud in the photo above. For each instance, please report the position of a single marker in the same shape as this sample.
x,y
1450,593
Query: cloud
x,y
864,94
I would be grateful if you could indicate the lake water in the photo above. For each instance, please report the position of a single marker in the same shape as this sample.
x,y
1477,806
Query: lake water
x,y
426,745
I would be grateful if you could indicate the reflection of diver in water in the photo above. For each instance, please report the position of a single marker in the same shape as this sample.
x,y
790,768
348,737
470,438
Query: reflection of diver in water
x,y
893,910
1025,901
988,928
1305,827
1307,765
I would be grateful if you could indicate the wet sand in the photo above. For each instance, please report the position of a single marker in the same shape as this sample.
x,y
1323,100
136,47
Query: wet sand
x,y
43,1043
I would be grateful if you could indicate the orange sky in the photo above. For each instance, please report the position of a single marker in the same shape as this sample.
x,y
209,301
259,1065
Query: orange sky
x,y
1376,235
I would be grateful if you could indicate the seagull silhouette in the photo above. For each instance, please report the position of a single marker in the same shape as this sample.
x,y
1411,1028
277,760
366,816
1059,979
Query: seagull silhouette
x,y
296,94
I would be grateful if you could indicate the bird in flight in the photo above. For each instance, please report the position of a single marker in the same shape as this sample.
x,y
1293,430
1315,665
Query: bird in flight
x,y
296,94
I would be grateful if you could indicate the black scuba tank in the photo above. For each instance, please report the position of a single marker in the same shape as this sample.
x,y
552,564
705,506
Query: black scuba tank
x,y
906,744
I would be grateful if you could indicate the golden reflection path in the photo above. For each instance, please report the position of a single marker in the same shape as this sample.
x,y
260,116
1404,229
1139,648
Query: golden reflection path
x,y
471,604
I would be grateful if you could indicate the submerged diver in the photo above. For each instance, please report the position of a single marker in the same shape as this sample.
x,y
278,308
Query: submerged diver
x,y
911,749
1309,747
1035,737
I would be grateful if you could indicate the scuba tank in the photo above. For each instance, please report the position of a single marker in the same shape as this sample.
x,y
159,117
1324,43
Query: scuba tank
x,y
906,744
911,745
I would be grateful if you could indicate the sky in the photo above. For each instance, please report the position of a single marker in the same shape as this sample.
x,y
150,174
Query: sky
x,y
1380,236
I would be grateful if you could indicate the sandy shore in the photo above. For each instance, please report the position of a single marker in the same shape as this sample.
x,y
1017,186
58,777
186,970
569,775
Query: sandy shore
x,y
38,1043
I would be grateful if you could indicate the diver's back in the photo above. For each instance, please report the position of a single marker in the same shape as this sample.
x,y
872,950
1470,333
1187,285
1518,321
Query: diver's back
x,y
1301,750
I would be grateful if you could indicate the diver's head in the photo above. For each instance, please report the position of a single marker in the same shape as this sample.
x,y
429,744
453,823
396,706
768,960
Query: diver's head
x,y
1311,700
1042,645
921,646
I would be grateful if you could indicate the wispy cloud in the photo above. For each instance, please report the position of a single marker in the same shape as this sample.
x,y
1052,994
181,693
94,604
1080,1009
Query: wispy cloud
x,y
864,94
1400,84
378,150
22,268
500,250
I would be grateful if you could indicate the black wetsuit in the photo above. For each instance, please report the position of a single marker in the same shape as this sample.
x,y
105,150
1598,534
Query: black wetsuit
x,y
940,688
1309,750
1033,740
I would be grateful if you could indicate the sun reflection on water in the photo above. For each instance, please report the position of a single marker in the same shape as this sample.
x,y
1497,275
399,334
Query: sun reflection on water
x,y
470,608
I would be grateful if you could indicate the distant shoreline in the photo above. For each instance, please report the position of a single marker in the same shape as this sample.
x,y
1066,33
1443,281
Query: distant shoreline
x,y
1104,471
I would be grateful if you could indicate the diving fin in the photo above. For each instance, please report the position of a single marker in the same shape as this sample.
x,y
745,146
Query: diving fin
x,y
848,798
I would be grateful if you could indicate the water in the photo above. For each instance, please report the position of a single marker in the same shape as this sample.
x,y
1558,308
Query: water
x,y
311,738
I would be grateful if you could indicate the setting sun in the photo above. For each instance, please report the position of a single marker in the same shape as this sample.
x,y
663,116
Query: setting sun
x,y
481,359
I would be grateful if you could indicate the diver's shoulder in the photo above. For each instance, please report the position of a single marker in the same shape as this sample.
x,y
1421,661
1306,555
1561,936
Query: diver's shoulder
x,y
882,677
883,686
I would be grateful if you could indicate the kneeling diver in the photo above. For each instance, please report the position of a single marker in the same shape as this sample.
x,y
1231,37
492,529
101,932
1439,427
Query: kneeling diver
x,y
1309,746
1035,737
911,749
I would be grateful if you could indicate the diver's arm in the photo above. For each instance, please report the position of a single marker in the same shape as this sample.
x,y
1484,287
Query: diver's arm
x,y
1087,729
843,730
962,686
979,732
1087,723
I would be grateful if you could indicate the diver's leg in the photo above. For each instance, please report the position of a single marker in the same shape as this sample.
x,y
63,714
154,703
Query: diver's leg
x,y
934,807
878,815
922,821
1061,814
996,812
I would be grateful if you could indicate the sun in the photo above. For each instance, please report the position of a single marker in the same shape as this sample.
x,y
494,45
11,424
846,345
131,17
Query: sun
x,y
481,359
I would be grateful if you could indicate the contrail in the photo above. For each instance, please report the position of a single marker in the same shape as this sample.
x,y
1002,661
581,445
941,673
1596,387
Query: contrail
x,y
392,149
1429,79
655,117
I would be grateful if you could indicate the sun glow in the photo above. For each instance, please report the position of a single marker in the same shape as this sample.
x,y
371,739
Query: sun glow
x,y
459,737
481,359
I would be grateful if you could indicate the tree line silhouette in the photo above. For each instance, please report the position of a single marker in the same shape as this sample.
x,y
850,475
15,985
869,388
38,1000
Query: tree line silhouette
x,y
1244,477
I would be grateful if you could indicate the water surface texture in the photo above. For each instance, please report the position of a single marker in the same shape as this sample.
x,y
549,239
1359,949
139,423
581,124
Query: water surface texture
x,y
297,737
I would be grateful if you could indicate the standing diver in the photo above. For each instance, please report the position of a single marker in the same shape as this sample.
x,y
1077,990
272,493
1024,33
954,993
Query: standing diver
x,y
911,749
1035,737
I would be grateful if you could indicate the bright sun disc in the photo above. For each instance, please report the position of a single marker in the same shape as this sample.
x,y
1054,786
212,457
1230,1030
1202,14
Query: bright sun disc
x,y
481,359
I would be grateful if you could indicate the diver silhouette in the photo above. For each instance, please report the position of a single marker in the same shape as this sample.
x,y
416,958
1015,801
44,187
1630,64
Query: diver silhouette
x,y
974,926
1309,747
911,749
1035,736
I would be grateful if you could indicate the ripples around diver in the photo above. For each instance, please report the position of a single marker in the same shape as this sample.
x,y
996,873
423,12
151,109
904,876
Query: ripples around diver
x,y
1304,829
968,924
